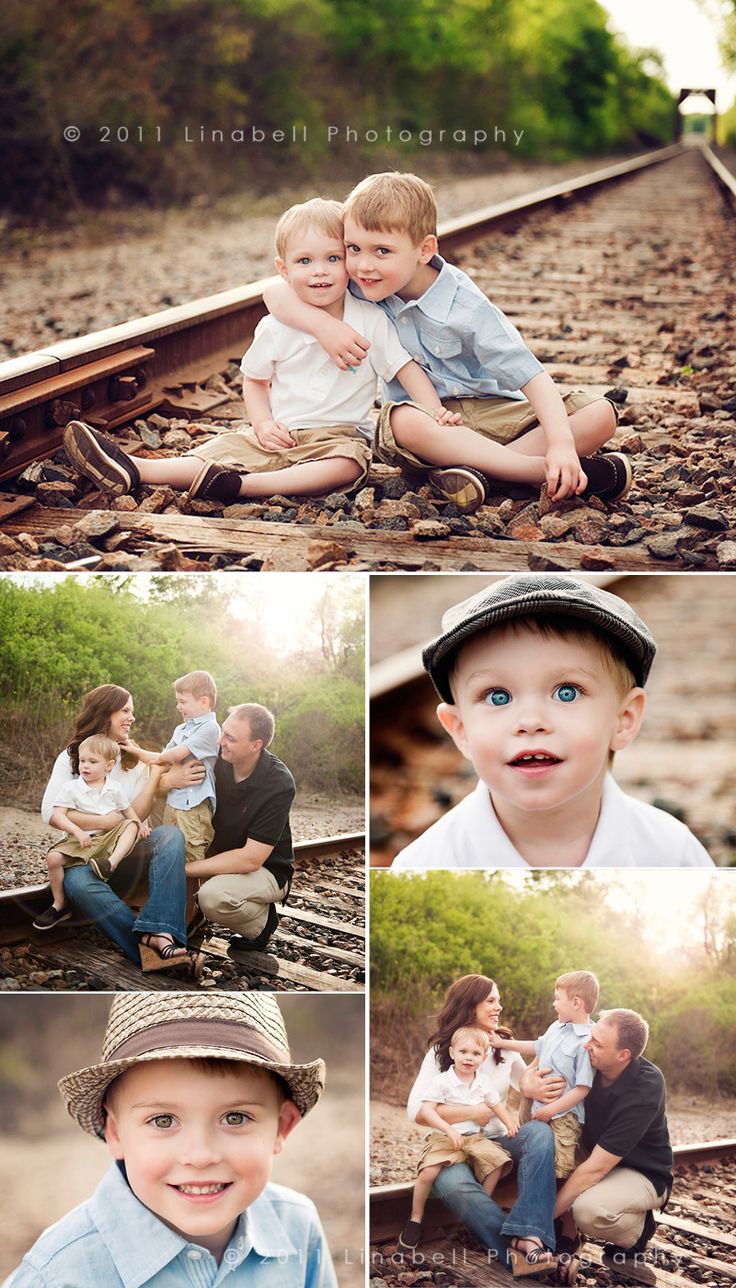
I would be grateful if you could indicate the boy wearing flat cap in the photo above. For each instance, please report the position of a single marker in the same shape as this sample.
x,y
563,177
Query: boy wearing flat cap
x,y
194,1096
542,680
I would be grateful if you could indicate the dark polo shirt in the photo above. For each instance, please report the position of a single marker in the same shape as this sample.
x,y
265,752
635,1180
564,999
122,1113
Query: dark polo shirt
x,y
628,1119
257,809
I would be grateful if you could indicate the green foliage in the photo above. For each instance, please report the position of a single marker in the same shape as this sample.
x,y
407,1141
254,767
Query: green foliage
x,y
548,68
428,930
59,641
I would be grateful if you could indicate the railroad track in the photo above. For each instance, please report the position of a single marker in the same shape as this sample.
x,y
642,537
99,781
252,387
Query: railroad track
x,y
602,276
694,1242
319,944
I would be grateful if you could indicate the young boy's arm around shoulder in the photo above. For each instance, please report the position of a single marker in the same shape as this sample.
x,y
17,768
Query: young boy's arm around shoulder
x,y
345,346
432,1119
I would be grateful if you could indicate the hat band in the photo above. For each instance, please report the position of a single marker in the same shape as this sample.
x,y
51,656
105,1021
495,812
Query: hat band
x,y
212,1033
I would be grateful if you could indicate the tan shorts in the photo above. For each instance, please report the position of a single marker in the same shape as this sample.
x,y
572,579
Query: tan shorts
x,y
566,1131
103,844
242,451
195,826
501,419
484,1155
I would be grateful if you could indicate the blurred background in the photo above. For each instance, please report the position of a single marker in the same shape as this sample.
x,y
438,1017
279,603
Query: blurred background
x,y
684,758
664,948
48,1165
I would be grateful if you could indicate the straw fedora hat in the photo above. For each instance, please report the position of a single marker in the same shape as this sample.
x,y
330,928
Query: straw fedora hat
x,y
247,1027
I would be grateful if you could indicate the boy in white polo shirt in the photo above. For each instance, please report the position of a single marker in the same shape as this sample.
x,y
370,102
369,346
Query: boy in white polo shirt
x,y
541,678
310,425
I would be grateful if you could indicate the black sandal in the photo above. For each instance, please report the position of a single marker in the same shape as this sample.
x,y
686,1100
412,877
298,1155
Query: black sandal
x,y
167,958
537,1261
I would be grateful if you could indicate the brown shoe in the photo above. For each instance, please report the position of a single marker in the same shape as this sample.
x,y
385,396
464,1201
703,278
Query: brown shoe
x,y
609,476
461,484
215,483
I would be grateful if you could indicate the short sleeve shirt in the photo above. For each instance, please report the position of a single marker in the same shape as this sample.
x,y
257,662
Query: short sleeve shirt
x,y
447,1089
307,390
200,735
561,1049
256,809
130,781
467,346
500,1075
628,1119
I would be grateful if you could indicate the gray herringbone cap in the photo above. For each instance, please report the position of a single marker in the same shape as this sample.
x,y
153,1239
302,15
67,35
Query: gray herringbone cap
x,y
531,595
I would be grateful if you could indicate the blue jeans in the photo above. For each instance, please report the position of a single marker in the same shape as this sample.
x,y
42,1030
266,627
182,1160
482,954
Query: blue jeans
x,y
160,859
533,1151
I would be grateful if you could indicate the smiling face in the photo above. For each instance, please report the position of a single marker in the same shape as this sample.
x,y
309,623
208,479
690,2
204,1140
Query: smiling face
x,y
237,744
537,716
388,263
93,769
488,1011
603,1049
197,1145
188,705
467,1055
121,722
567,1008
314,267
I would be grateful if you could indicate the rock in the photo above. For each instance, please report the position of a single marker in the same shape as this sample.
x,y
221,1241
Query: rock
x,y
397,510
178,440
392,489
8,545
596,560
245,510
524,528
396,524
96,524
124,504
150,437
430,530
663,546
336,501
709,402
705,516
554,526
632,444
365,501
590,527
158,500
171,559
157,422
726,554
31,476
26,542
56,494
320,552
617,395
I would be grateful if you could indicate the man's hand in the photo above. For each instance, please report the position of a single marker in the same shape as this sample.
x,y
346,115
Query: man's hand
x,y
537,1086
186,774
445,417
563,472
346,346
274,436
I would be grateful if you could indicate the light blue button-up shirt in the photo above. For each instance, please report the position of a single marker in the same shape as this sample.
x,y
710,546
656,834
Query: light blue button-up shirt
x,y
466,345
561,1049
201,735
114,1241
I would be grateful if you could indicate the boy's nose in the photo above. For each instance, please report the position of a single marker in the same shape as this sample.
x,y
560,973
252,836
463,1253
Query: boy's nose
x,y
530,718
198,1149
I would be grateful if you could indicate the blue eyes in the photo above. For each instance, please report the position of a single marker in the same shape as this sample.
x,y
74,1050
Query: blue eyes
x,y
566,693
502,697
497,698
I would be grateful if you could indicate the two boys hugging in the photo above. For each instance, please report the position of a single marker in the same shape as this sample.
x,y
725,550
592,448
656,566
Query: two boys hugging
x,y
465,401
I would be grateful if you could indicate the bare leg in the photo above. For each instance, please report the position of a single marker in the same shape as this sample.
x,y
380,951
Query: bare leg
x,y
177,471
492,1180
422,1187
307,479
457,444
591,427
124,844
55,865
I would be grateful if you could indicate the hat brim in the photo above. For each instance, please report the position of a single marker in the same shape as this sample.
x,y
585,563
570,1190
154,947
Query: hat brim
x,y
83,1092
438,657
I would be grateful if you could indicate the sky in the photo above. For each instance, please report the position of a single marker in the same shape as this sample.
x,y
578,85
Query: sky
x,y
684,34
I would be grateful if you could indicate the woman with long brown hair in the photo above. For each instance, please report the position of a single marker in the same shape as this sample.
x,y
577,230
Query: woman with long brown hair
x,y
526,1236
156,938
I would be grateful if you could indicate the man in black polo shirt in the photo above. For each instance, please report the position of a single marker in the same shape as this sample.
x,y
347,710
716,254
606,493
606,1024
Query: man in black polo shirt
x,y
251,858
628,1171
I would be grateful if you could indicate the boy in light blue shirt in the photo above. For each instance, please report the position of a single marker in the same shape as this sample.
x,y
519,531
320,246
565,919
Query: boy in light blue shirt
x,y
194,1095
516,426
563,1050
197,738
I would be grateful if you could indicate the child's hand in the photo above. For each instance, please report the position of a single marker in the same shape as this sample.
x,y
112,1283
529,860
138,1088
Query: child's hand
x,y
346,347
85,840
144,831
496,1041
563,472
454,1137
445,417
273,435
544,1113
512,1129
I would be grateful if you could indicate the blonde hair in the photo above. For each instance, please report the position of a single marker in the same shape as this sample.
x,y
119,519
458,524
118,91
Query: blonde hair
x,y
470,1031
582,984
395,202
100,745
199,683
325,216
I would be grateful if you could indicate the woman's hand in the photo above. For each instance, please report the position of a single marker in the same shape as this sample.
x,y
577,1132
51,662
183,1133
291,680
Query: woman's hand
x,y
480,1114
537,1086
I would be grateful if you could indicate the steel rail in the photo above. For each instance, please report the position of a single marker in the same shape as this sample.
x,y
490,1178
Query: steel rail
x,y
112,376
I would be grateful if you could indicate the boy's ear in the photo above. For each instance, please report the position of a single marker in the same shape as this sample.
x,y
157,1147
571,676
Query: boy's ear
x,y
427,248
112,1136
288,1119
281,268
448,716
630,716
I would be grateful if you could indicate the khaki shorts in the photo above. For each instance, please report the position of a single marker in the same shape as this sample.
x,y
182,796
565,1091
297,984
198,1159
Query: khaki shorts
x,y
566,1130
501,419
103,844
242,451
195,826
484,1155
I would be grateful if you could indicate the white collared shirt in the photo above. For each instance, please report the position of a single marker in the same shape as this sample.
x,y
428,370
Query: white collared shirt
x,y
447,1089
103,799
629,834
307,390
498,1076
130,781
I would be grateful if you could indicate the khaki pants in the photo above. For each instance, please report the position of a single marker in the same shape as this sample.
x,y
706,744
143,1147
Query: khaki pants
x,y
501,419
242,451
613,1210
240,901
195,826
